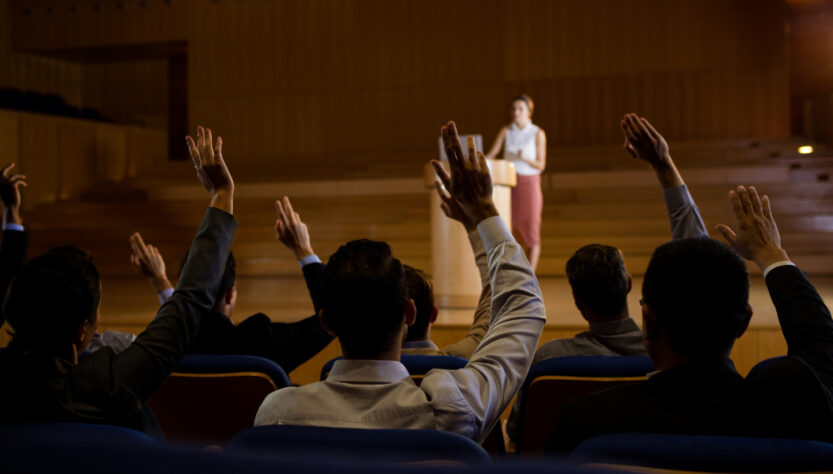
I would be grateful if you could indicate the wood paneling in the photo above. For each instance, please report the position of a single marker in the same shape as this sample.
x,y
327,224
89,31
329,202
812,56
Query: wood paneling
x,y
326,80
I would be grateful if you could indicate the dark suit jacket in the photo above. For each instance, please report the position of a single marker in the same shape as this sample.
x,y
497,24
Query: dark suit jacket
x,y
790,398
288,344
12,255
112,389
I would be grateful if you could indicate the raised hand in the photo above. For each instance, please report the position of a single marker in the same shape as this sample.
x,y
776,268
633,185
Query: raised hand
x,y
147,260
10,194
643,142
469,181
757,237
291,230
207,156
453,210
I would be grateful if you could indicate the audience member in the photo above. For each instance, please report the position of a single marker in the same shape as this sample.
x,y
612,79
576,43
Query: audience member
x,y
694,305
418,339
597,273
52,306
15,240
288,344
366,306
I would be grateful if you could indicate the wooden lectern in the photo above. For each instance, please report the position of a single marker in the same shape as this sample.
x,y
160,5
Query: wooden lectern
x,y
455,276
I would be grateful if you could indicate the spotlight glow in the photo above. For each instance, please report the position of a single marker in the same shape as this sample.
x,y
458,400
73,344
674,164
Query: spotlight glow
x,y
805,150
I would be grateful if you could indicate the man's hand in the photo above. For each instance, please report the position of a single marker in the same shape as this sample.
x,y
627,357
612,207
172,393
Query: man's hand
x,y
10,194
469,182
147,260
212,171
757,236
453,210
291,230
643,142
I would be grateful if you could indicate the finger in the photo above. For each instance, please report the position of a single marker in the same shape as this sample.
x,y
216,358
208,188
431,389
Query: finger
x,y
17,178
650,128
756,200
737,207
290,212
643,130
218,149
767,207
279,229
447,146
472,156
284,216
209,147
446,209
728,234
442,173
6,169
745,200
456,145
629,148
201,142
134,261
192,151
481,163
21,183
140,243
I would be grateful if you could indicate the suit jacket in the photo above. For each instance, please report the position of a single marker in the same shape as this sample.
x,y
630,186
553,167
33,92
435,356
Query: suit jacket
x,y
12,255
288,344
790,398
107,388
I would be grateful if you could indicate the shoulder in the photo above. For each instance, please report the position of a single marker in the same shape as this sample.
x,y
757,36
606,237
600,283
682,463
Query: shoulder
x,y
540,133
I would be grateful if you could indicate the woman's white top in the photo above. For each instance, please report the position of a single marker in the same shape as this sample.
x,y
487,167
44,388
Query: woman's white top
x,y
521,139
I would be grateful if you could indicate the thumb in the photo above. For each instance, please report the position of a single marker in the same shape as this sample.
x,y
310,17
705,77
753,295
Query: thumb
x,y
728,234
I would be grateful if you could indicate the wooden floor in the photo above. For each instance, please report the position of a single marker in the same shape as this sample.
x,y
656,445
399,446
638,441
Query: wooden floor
x,y
591,195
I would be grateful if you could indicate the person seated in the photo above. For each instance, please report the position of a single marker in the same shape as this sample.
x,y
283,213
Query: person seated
x,y
288,344
597,274
366,306
52,306
695,303
418,339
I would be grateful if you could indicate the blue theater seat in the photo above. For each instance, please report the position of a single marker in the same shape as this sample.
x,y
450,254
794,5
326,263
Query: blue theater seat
x,y
706,453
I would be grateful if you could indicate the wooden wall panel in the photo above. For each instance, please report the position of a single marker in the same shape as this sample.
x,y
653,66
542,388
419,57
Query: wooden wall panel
x,y
322,81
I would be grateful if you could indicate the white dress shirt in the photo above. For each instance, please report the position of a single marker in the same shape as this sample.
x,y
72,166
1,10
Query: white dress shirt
x,y
468,401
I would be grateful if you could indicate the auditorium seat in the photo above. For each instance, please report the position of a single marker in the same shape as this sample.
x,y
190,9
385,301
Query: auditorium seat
x,y
705,453
367,445
554,381
209,398
21,435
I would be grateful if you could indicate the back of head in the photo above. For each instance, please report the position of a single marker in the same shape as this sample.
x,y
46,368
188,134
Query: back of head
x,y
599,279
421,291
699,291
365,297
51,296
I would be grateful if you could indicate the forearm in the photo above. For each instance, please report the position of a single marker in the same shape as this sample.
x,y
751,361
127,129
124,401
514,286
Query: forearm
x,y
803,315
683,214
312,277
11,215
667,173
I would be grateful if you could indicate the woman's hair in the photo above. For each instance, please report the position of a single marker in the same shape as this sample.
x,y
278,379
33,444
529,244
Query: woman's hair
x,y
527,100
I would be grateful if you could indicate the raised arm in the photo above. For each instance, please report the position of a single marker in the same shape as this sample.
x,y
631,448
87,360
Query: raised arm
x,y
15,240
804,318
147,260
497,145
498,366
482,314
294,234
643,142
144,365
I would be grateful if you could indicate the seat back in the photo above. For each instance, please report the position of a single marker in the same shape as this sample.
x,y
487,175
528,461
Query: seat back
x,y
706,453
554,381
209,398
369,445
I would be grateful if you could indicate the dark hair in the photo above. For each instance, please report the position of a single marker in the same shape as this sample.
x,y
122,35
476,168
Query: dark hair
x,y
699,290
421,291
527,100
364,297
228,280
599,279
51,296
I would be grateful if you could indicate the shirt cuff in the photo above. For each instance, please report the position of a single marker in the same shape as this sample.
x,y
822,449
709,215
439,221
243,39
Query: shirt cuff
x,y
13,226
475,241
303,262
165,294
493,231
782,263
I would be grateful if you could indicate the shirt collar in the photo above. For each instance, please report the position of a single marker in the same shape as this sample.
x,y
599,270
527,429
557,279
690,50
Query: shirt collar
x,y
617,326
368,371
424,344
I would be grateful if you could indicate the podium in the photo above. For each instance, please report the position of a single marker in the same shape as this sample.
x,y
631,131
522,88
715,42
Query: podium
x,y
454,274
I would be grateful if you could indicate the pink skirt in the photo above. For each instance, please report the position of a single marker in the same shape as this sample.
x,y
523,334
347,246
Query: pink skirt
x,y
527,205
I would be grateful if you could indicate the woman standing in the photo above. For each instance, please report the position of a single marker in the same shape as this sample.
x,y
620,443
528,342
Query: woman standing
x,y
525,144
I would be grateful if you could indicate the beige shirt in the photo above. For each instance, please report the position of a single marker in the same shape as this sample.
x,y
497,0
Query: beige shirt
x,y
466,346
468,401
